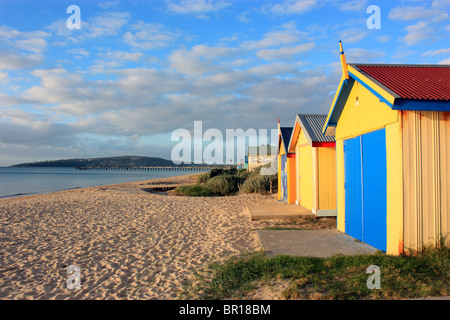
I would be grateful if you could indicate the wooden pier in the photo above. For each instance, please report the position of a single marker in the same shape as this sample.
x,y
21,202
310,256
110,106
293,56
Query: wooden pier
x,y
177,168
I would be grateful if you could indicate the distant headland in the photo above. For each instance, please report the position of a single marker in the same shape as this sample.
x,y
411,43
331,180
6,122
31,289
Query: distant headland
x,y
121,161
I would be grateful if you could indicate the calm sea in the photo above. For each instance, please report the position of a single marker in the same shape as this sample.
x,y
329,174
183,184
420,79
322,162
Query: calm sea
x,y
26,181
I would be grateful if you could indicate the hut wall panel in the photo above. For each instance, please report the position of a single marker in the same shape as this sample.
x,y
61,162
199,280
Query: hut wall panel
x,y
363,112
394,193
327,178
306,176
426,177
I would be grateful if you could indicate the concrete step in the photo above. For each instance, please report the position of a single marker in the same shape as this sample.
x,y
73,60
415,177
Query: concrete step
x,y
277,211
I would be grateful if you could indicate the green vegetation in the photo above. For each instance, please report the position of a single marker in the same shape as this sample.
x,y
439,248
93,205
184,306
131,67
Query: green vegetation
x,y
196,190
222,182
340,277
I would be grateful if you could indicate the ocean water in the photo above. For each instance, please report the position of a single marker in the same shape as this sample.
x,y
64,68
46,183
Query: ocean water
x,y
28,181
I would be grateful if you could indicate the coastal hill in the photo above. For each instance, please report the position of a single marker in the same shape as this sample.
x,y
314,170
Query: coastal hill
x,y
123,161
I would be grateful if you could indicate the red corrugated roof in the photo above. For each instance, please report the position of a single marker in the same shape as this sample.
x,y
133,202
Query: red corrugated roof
x,y
413,81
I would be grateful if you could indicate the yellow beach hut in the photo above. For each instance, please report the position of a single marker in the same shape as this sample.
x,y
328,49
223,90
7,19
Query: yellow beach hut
x,y
315,166
392,128
286,167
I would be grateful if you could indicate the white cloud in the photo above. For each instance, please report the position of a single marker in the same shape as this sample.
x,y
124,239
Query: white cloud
x,y
4,77
358,55
123,56
78,52
16,61
196,6
293,6
108,4
352,5
106,24
446,61
353,35
286,35
405,13
285,52
436,52
148,36
383,38
440,3
35,45
243,17
33,42
10,33
417,33
200,59
274,69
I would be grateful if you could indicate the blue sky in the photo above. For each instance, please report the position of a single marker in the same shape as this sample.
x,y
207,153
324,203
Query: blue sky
x,y
138,70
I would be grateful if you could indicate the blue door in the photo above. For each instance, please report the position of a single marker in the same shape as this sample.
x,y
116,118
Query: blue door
x,y
365,188
284,194
374,189
353,188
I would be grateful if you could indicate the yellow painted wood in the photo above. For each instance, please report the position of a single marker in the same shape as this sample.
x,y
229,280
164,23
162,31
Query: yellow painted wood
x,y
363,112
302,141
282,150
372,85
306,177
295,135
394,196
315,169
326,178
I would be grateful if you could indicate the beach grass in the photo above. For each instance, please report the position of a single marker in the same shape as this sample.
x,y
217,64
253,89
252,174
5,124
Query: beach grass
x,y
228,182
426,274
196,190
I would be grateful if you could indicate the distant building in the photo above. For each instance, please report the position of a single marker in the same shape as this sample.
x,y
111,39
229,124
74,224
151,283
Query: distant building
x,y
259,156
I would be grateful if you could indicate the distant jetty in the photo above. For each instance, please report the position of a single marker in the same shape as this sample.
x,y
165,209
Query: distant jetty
x,y
174,168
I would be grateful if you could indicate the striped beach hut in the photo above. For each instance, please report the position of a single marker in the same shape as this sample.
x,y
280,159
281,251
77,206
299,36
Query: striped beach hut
x,y
315,165
286,167
392,128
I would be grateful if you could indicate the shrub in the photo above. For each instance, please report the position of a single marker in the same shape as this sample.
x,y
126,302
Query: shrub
x,y
223,182
256,184
224,185
196,190
244,174
211,174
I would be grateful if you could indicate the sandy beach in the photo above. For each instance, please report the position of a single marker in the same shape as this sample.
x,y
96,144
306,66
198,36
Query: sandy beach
x,y
127,242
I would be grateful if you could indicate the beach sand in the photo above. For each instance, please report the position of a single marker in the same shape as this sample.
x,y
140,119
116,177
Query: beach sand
x,y
128,243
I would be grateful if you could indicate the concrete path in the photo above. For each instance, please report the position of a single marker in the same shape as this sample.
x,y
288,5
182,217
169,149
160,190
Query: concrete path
x,y
311,243
277,211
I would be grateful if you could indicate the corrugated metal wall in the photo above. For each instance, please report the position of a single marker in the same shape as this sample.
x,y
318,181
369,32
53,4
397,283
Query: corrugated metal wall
x,y
426,175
